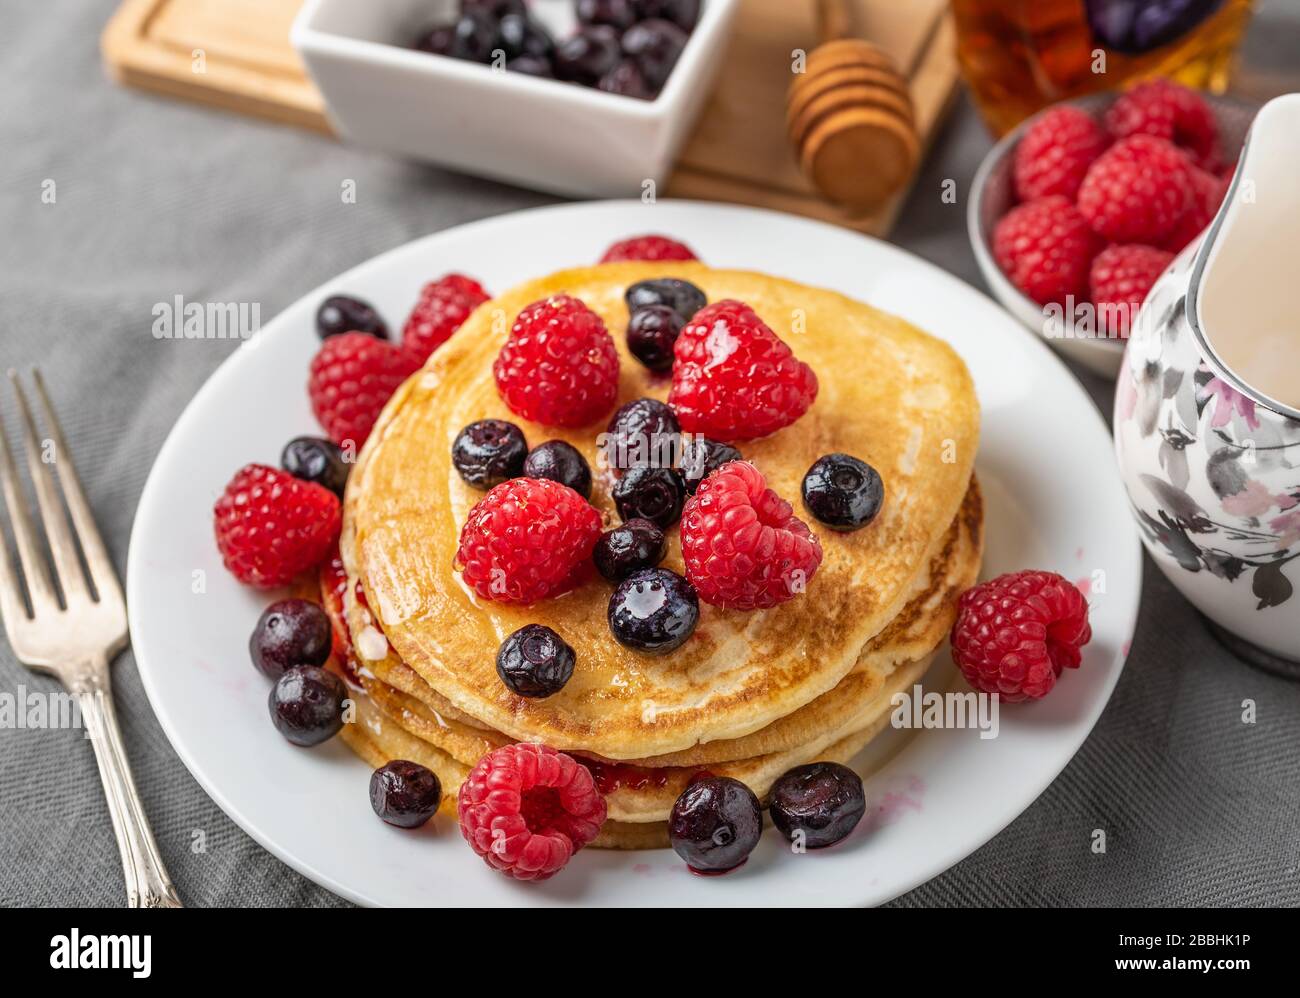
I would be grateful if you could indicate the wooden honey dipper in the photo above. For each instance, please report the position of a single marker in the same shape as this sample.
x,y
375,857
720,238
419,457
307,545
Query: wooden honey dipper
x,y
850,116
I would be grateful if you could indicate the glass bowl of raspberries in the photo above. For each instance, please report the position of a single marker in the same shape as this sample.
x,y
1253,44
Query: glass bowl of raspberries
x,y
587,98
1075,213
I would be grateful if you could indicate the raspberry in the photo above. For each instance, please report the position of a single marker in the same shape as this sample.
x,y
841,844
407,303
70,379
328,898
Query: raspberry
x,y
742,544
526,809
559,365
648,247
1044,247
1120,279
1056,151
352,376
271,526
1014,634
1170,111
527,539
444,304
1207,194
1137,190
734,378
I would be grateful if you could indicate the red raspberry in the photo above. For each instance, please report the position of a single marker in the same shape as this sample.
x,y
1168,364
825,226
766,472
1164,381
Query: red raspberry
x,y
559,365
1207,194
1056,151
734,378
1044,247
648,247
1170,111
526,809
1137,190
351,378
444,304
1014,634
527,539
1120,279
271,526
742,544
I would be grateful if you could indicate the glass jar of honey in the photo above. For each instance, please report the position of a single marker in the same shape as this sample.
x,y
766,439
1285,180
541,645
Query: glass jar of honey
x,y
1020,55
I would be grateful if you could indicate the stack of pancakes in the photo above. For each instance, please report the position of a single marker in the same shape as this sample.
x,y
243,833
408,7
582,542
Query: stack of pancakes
x,y
750,694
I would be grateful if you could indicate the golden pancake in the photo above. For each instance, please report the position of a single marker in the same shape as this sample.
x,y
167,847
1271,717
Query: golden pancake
x,y
890,394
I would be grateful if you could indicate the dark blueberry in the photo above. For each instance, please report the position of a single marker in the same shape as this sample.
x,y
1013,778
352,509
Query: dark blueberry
x,y
817,804
682,297
489,452
520,35
654,46
560,462
404,793
626,81
619,14
535,661
641,433
345,314
715,824
475,36
683,13
1138,26
587,56
315,459
496,8
653,610
700,456
531,65
628,548
651,333
290,632
307,704
654,494
843,492
437,41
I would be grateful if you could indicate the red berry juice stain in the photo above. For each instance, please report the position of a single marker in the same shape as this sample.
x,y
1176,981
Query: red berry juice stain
x,y
1084,585
611,776
717,873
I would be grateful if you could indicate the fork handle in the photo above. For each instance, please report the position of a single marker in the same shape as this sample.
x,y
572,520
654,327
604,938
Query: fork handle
x,y
147,883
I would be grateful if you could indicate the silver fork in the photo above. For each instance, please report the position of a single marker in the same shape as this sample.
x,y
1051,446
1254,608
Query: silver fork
x,y
75,639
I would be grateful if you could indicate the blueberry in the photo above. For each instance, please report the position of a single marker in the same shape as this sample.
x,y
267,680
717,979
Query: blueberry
x,y
651,333
531,65
843,492
489,452
653,610
654,494
560,462
819,803
519,35
345,314
535,662
619,14
315,459
682,297
404,793
1138,26
626,81
290,632
654,46
438,40
475,36
683,13
641,433
715,824
496,8
307,704
700,456
629,547
587,56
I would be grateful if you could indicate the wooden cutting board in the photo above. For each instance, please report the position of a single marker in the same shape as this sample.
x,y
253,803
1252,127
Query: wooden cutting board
x,y
235,54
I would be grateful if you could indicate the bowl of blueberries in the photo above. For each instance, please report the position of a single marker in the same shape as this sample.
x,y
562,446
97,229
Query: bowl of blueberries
x,y
576,97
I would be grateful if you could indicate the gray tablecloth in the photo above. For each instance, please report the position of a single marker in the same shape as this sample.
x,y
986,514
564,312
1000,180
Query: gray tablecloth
x,y
156,199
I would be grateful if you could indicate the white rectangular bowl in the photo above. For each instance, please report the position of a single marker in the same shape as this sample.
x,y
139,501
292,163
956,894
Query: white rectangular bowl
x,y
538,133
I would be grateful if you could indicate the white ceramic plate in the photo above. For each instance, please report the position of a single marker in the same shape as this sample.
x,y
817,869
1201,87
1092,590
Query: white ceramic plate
x,y
1054,501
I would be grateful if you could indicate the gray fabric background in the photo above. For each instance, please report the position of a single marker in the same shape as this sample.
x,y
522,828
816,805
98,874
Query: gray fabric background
x,y
157,198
